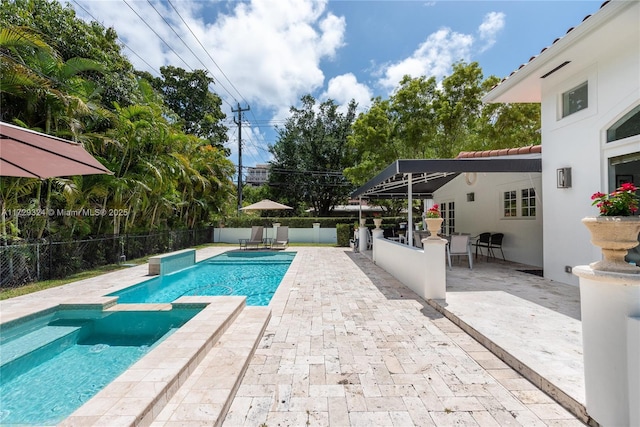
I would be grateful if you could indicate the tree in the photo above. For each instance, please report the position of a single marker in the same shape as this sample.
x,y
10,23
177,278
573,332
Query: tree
x,y
425,120
187,94
162,176
71,37
309,155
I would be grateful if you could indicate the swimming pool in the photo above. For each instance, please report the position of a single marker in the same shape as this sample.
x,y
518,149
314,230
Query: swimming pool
x,y
255,275
54,362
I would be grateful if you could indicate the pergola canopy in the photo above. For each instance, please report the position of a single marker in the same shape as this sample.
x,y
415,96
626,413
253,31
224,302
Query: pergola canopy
x,y
428,175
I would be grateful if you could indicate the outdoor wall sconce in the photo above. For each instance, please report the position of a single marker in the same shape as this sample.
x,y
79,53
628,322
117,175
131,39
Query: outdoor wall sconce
x,y
564,177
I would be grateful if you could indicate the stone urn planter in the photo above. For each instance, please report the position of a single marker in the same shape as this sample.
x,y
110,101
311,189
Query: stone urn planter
x,y
434,225
377,222
363,222
615,235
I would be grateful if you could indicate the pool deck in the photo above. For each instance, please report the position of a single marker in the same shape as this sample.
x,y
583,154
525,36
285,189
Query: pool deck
x,y
348,345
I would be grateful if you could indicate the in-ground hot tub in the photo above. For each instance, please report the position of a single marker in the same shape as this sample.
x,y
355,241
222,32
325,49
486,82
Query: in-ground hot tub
x,y
55,361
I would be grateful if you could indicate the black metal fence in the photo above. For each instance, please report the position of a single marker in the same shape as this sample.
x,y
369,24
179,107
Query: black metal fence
x,y
32,261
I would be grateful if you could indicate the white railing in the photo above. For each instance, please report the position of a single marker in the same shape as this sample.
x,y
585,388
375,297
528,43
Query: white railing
x,y
296,235
421,270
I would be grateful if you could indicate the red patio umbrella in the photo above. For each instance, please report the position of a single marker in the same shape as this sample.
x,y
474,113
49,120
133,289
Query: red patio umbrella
x,y
29,154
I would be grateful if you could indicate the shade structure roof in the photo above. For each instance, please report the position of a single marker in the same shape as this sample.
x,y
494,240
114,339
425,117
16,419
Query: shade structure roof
x,y
29,154
266,204
428,175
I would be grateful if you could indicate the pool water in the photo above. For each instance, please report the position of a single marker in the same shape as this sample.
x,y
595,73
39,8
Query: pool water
x,y
53,364
255,275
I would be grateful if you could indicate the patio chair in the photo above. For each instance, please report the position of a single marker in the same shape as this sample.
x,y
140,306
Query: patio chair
x,y
281,240
459,246
496,243
482,242
256,238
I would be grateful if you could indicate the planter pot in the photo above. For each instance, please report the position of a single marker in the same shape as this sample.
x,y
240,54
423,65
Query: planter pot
x,y
377,222
363,222
615,235
433,225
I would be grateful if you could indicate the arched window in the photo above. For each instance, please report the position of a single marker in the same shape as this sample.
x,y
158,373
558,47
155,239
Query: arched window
x,y
627,126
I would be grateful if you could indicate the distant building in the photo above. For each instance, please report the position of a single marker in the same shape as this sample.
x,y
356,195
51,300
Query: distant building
x,y
258,175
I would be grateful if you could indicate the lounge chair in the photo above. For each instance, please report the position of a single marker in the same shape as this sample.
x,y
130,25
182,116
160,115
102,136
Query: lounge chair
x,y
459,246
281,240
256,238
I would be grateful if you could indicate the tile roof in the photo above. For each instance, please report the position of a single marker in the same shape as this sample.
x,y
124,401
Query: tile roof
x,y
531,149
545,48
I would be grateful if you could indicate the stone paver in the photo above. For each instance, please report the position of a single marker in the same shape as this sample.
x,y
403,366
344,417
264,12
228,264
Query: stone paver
x,y
348,345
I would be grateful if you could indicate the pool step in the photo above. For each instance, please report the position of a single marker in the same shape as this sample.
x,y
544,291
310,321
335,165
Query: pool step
x,y
23,353
206,395
142,391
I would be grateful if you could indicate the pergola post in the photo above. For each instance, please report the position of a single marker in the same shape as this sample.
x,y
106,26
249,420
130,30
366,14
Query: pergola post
x,y
410,209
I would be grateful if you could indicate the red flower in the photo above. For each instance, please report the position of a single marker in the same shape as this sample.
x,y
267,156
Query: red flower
x,y
434,211
621,202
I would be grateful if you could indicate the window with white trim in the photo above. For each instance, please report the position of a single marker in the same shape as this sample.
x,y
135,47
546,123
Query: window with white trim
x,y
509,204
575,99
528,207
628,125
519,203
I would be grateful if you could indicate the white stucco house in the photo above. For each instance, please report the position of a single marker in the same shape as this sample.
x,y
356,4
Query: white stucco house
x,y
588,84
506,202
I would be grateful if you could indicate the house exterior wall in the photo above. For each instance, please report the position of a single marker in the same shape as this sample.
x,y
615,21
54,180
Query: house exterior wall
x,y
522,236
579,141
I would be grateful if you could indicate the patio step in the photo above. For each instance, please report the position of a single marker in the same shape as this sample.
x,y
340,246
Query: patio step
x,y
142,391
206,395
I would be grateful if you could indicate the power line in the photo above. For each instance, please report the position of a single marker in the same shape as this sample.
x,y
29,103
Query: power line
x,y
207,52
119,39
189,48
157,35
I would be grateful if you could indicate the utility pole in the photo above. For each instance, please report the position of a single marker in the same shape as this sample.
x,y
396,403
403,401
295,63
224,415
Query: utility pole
x,y
239,123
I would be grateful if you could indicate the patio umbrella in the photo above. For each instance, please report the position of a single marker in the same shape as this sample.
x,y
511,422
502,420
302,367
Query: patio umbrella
x,y
266,205
29,154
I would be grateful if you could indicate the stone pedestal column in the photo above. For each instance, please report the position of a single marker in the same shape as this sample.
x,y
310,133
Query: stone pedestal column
x,y
610,312
363,236
378,233
316,232
435,280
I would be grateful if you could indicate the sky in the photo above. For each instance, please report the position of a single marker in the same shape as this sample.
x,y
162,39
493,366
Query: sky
x,y
267,54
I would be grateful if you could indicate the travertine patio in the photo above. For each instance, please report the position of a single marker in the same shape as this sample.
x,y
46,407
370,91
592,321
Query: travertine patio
x,y
348,345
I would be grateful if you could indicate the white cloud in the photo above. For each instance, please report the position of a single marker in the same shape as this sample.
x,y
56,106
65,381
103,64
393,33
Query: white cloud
x,y
436,55
433,57
273,49
270,50
492,24
342,89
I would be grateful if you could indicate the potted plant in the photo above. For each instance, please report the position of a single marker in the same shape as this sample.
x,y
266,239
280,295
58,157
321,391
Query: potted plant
x,y
434,221
616,230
